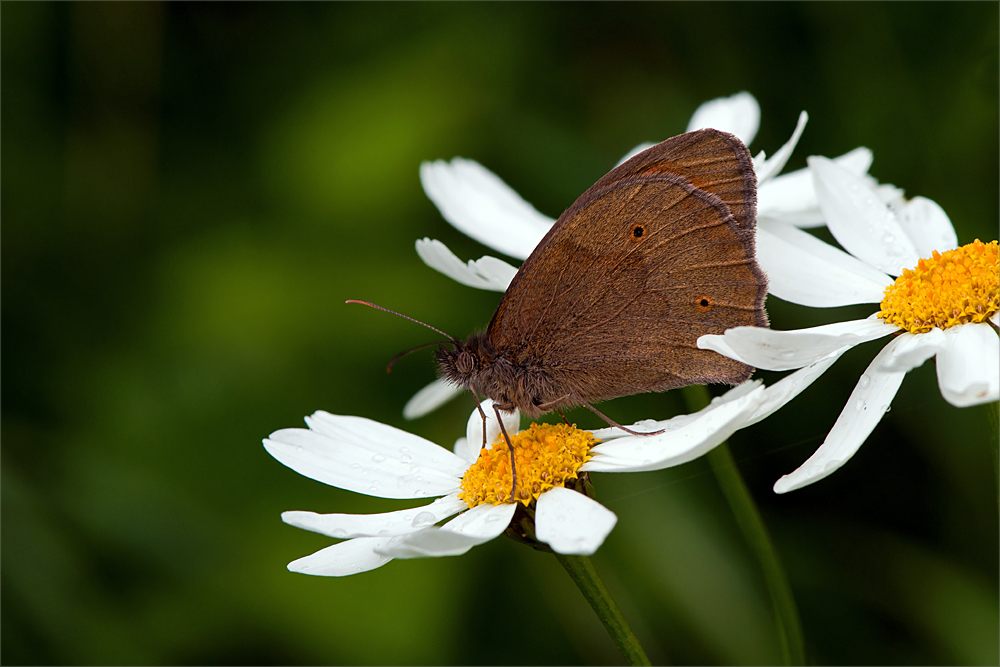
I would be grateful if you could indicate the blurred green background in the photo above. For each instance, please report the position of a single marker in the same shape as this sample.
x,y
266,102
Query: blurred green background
x,y
191,191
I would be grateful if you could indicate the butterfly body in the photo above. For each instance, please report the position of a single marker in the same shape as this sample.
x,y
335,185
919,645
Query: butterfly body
x,y
614,297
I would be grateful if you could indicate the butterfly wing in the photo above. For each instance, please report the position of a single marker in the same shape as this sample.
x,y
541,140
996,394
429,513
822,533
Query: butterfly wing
x,y
613,299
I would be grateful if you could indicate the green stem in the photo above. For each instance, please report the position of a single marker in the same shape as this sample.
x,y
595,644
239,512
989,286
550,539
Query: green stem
x,y
755,532
993,416
582,571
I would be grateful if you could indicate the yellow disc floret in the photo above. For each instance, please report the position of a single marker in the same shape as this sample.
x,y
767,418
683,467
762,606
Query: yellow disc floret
x,y
949,288
546,456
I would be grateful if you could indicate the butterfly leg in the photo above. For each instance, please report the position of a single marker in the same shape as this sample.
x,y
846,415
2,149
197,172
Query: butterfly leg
x,y
611,422
481,413
510,446
565,421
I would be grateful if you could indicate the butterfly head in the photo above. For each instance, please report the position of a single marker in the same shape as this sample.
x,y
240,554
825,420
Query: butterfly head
x,y
464,364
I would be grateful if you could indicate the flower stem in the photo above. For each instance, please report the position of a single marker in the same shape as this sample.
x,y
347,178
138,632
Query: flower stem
x,y
755,532
582,571
993,416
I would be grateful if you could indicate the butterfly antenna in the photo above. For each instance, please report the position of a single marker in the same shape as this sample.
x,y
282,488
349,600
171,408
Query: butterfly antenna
x,y
405,317
388,369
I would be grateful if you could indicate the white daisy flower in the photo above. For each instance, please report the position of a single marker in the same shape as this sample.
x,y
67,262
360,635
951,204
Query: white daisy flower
x,y
474,483
943,304
478,203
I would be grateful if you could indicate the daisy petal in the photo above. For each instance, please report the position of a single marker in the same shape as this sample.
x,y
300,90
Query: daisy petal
x,y
995,318
474,427
968,369
488,273
914,349
790,386
387,524
784,350
777,162
687,436
868,402
928,226
802,269
737,114
791,198
430,398
857,218
346,558
480,524
366,457
478,203
466,449
571,523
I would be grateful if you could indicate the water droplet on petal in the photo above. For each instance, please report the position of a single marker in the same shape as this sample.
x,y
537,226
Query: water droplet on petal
x,y
406,458
378,458
339,533
424,519
860,404
831,465
864,381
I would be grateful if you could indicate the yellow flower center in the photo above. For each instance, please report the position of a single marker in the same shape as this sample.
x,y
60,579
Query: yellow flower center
x,y
546,456
954,287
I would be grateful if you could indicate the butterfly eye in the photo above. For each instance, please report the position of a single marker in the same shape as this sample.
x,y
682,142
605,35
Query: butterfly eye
x,y
465,363
638,231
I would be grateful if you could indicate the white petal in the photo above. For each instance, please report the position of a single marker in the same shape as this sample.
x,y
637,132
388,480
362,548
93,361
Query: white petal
x,y
928,226
861,223
480,524
484,521
771,167
791,198
430,398
474,427
913,350
803,269
784,350
468,450
344,559
995,318
635,151
790,386
366,457
868,402
387,524
571,523
478,203
687,436
968,369
487,273
738,114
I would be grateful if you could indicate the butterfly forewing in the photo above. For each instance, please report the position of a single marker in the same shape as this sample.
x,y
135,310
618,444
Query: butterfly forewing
x,y
614,298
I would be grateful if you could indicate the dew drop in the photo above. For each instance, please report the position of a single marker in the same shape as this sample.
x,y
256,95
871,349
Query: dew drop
x,y
424,519
831,465
859,404
864,381
787,354
339,533
355,466
373,488
378,458
406,458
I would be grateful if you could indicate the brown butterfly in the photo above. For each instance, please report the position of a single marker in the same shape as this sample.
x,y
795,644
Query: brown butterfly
x,y
612,300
